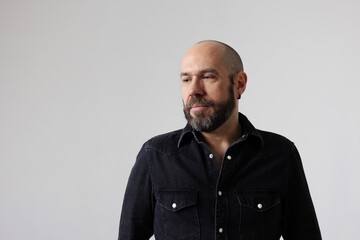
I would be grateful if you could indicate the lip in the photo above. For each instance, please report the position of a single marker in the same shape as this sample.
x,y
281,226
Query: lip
x,y
198,107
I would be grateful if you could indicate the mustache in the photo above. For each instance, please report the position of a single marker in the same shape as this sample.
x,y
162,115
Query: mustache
x,y
200,101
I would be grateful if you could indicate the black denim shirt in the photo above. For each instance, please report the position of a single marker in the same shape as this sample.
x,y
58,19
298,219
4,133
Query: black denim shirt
x,y
177,190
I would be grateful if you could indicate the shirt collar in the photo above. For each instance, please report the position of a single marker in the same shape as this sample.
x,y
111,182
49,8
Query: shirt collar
x,y
247,129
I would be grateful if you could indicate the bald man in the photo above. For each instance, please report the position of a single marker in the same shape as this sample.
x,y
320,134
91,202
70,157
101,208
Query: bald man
x,y
219,177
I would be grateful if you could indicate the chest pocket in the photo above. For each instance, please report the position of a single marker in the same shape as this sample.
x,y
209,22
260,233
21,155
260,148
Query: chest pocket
x,y
179,213
260,215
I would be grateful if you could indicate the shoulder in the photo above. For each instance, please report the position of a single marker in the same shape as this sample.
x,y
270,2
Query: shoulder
x,y
166,142
275,142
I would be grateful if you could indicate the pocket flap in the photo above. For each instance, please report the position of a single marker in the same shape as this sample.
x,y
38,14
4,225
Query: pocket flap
x,y
259,201
176,199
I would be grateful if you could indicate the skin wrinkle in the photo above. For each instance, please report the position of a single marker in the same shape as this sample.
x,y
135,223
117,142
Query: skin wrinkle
x,y
202,72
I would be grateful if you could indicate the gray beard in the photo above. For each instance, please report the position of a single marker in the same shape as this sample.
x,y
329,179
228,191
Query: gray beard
x,y
222,112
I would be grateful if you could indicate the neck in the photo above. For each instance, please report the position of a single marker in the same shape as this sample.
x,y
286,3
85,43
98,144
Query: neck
x,y
220,139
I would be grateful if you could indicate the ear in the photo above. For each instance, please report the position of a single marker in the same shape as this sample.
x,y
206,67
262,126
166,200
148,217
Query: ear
x,y
240,80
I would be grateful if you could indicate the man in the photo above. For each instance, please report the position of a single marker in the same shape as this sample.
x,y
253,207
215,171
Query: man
x,y
219,177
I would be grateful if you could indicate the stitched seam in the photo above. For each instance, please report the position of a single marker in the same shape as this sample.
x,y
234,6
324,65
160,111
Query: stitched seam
x,y
151,178
170,154
262,210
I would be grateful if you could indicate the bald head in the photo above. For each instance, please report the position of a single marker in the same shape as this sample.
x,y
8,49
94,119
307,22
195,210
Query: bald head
x,y
229,57
217,59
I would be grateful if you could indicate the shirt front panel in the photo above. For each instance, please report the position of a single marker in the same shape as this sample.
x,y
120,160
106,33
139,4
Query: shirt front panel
x,y
225,199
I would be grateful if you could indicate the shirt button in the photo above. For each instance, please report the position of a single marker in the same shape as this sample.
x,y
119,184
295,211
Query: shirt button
x,y
243,136
221,230
211,155
229,157
219,193
259,206
173,205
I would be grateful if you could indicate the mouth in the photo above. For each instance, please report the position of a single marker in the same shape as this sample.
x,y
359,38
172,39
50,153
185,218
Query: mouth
x,y
198,107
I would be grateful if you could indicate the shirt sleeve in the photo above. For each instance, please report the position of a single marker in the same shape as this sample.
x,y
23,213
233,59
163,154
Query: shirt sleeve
x,y
300,222
136,222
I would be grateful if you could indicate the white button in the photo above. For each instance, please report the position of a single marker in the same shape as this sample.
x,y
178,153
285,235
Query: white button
x,y
173,205
259,206
221,230
243,136
219,193
211,155
229,157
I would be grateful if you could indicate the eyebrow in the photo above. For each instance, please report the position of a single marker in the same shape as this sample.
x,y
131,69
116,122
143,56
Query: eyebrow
x,y
206,70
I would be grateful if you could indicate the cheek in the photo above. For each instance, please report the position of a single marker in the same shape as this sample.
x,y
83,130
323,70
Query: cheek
x,y
185,94
184,97
218,94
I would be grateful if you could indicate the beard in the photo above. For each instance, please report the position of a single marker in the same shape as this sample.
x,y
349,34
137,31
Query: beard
x,y
208,123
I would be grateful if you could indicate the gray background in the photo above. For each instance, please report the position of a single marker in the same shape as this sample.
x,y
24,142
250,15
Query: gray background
x,y
84,83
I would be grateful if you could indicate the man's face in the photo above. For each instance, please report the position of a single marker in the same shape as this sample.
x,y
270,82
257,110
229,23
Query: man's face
x,y
208,95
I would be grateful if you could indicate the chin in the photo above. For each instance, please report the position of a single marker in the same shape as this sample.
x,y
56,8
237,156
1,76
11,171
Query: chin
x,y
199,115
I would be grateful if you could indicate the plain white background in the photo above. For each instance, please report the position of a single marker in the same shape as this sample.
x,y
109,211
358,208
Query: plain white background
x,y
84,83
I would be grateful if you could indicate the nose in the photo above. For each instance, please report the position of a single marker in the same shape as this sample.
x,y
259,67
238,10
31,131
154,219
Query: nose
x,y
196,88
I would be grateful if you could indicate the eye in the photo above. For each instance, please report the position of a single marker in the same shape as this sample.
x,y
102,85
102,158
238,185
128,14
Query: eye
x,y
208,77
186,80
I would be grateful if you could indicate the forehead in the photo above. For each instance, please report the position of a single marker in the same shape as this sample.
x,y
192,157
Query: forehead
x,y
203,56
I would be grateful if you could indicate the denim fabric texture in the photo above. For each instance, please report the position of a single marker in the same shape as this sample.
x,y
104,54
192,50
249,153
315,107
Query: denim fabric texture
x,y
177,190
